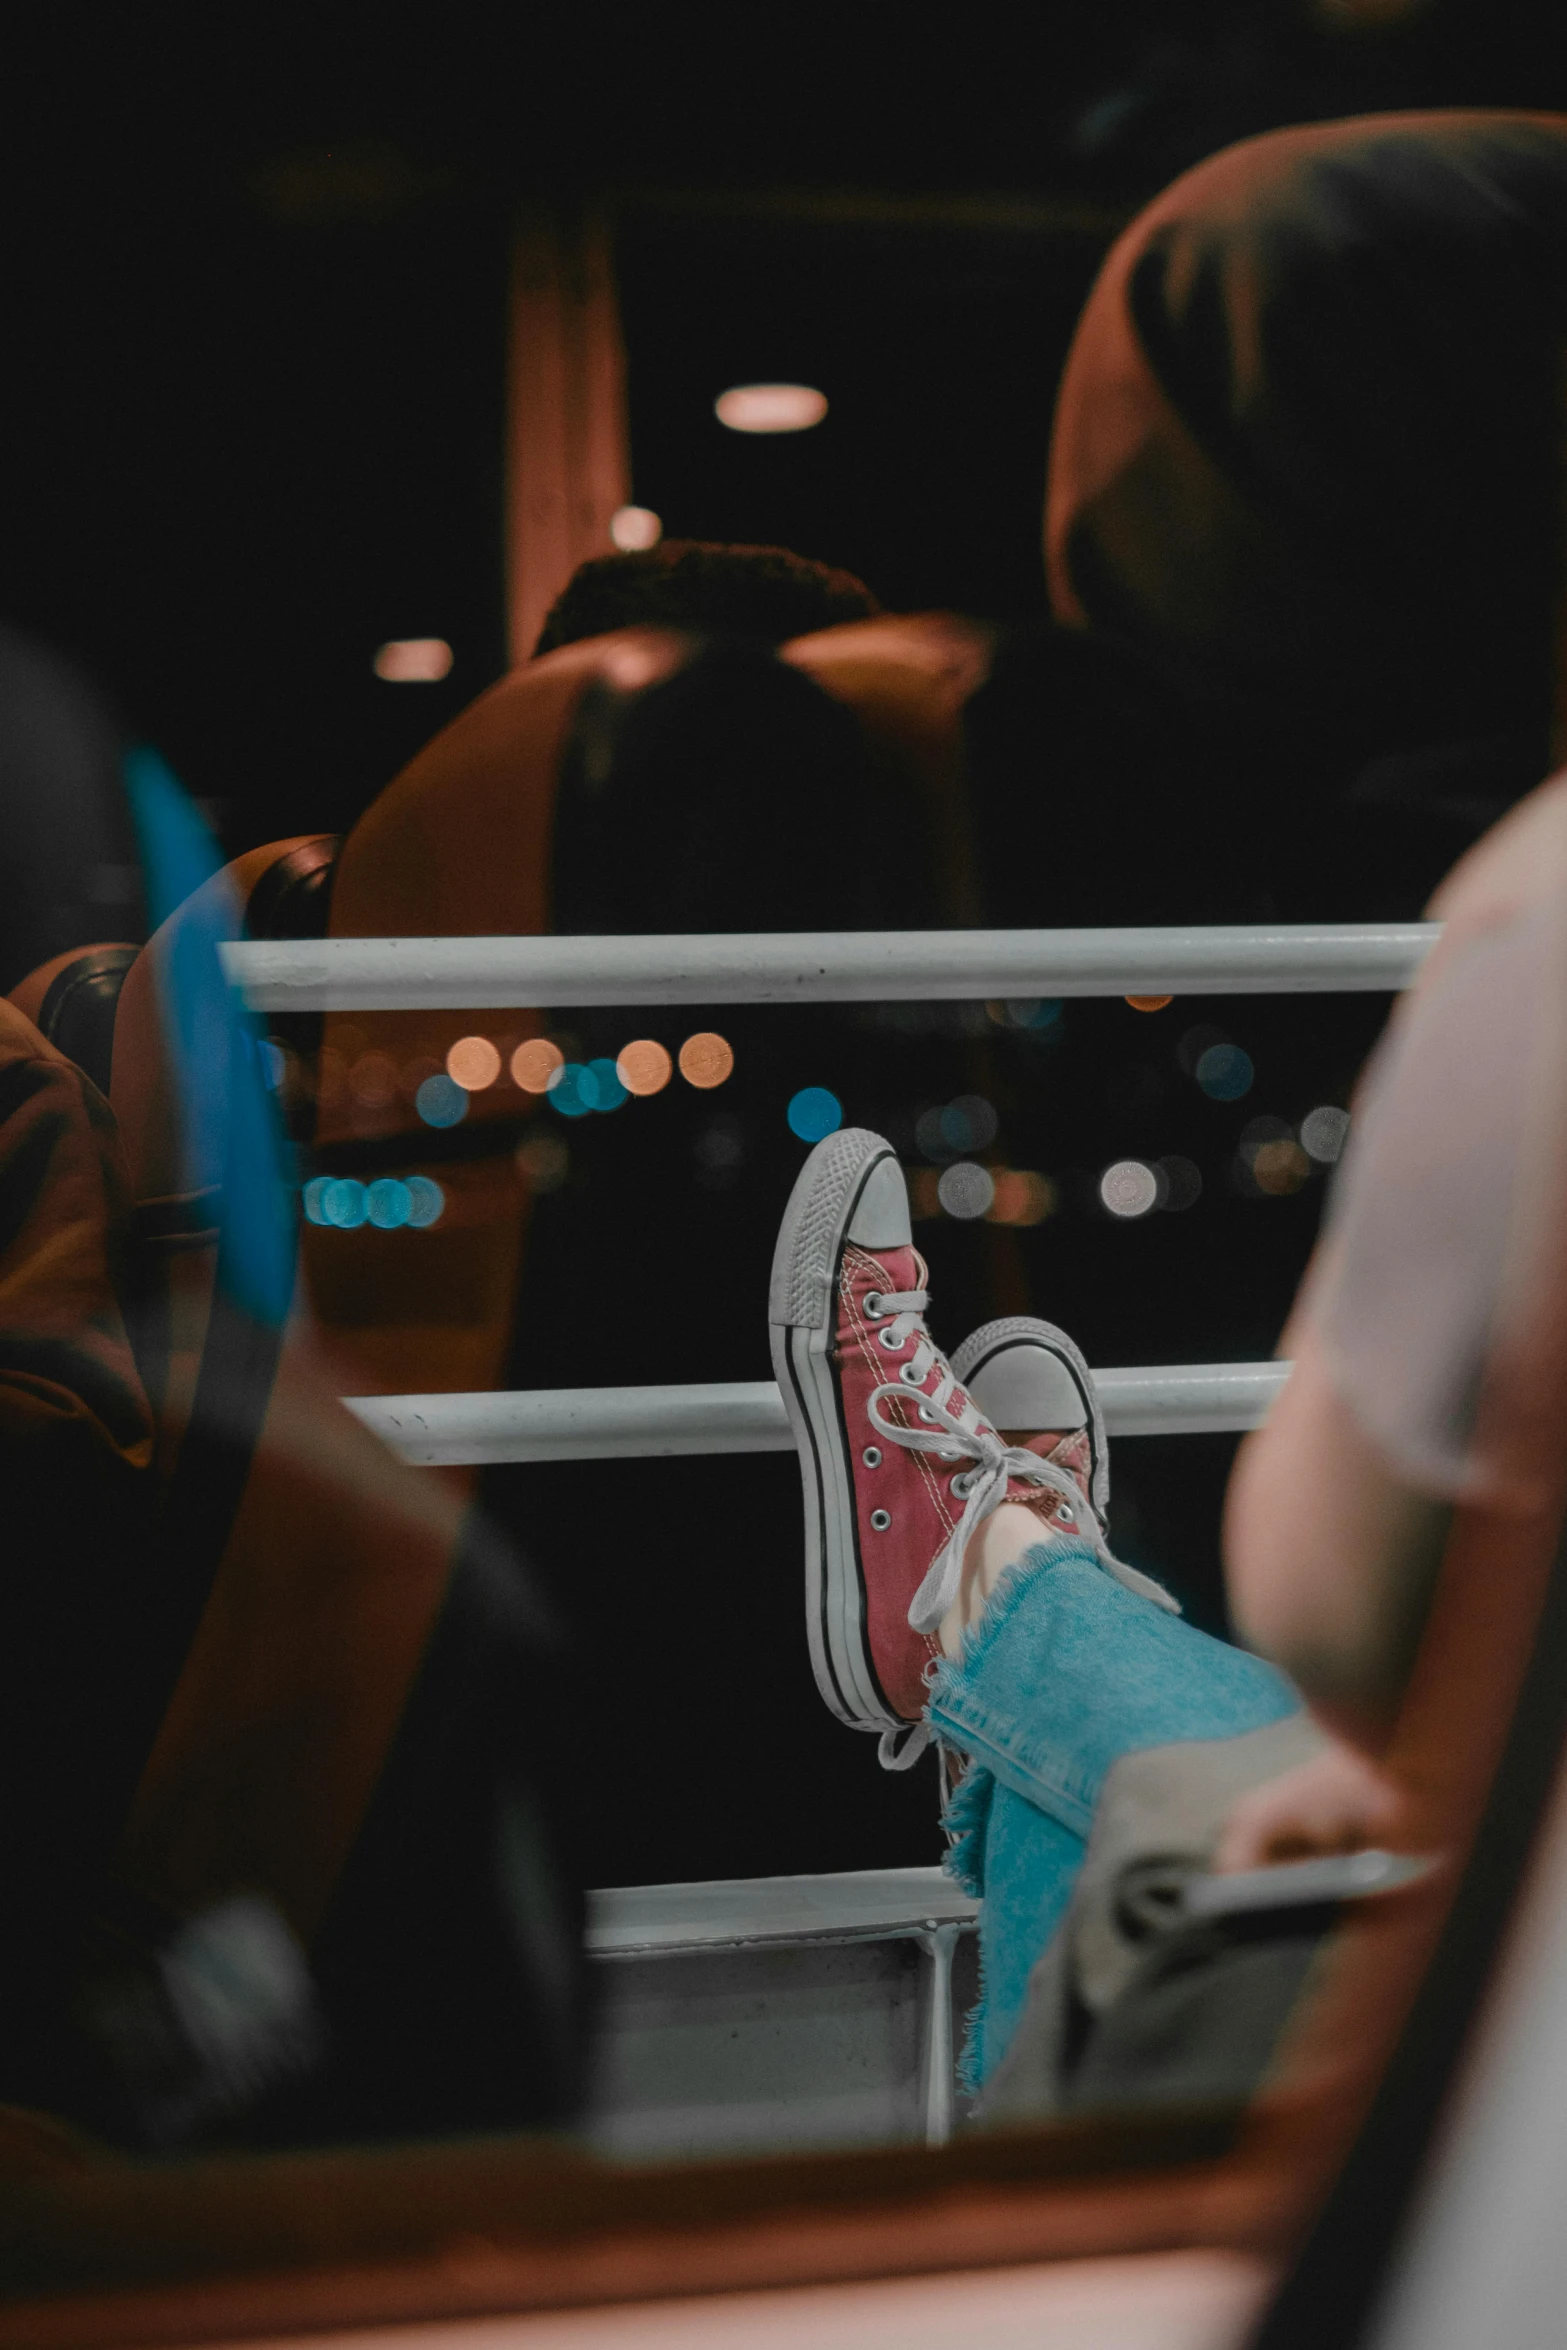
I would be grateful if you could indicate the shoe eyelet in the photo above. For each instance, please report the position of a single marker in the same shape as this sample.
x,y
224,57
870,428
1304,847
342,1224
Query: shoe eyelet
x,y
880,1521
908,1374
871,1306
928,1416
963,1484
1067,1516
890,1340
871,1456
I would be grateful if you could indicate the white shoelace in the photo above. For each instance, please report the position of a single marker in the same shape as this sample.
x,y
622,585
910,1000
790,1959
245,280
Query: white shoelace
x,y
962,1433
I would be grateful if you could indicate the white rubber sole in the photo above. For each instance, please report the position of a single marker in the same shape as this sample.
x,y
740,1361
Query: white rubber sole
x,y
802,1310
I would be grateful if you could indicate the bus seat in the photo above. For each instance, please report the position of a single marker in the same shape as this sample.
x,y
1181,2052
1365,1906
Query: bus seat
x,y
638,781
460,843
280,890
72,1000
908,680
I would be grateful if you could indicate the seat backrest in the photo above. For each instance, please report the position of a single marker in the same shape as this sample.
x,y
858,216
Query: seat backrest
x,y
175,1200
640,781
73,1000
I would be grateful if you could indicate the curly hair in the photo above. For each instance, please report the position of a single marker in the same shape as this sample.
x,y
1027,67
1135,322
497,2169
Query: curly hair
x,y
765,593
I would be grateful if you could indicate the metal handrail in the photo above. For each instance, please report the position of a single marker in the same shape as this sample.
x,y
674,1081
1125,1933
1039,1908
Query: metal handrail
x,y
643,1423
838,966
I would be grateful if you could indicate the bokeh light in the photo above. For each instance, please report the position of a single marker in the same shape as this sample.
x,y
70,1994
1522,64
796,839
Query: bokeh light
x,y
1324,1132
1129,1188
439,1102
643,1066
426,1200
955,1128
1195,1042
929,1139
331,1077
608,1091
388,1203
969,1123
1258,1131
373,1081
706,1059
575,1091
343,1203
1026,1012
633,529
1182,1183
274,1064
473,1063
966,1190
1225,1072
534,1065
1149,1003
1021,1196
770,407
545,1161
414,660
1280,1168
814,1113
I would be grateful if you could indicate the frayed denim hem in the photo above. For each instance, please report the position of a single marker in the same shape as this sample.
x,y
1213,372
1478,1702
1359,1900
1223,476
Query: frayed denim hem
x,y
1065,1672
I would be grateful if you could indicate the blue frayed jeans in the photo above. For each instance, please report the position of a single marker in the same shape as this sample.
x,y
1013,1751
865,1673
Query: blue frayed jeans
x,y
1066,1672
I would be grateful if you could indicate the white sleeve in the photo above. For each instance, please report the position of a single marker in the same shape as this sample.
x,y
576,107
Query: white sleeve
x,y
1423,1237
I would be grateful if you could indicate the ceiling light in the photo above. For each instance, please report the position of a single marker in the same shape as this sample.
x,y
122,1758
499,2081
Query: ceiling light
x,y
770,407
635,528
414,660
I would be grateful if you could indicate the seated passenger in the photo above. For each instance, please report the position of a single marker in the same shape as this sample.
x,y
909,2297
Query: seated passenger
x,y
1305,468
959,1585
766,593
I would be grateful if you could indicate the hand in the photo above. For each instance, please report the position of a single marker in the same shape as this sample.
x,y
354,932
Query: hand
x,y
1337,1802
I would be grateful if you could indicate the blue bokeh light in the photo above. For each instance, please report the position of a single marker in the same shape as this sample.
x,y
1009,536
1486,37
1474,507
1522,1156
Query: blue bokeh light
x,y
610,1092
575,1091
344,1203
426,1199
1225,1072
441,1102
388,1203
814,1113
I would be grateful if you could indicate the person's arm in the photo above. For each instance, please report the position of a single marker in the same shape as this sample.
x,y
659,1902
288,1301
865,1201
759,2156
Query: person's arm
x,y
1331,1560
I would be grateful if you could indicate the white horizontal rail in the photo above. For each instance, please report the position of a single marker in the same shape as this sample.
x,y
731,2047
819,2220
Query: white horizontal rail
x,y
839,966
636,1921
641,1423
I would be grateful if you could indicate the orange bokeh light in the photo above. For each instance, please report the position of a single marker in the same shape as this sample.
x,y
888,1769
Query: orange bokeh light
x,y
1149,1003
533,1064
1022,1196
706,1059
644,1066
473,1063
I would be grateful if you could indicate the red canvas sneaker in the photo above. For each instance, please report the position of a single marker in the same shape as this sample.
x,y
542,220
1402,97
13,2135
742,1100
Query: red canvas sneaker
x,y
1031,1382
900,1466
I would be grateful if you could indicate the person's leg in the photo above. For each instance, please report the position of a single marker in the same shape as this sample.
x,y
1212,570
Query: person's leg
x,y
958,1580
1063,1673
